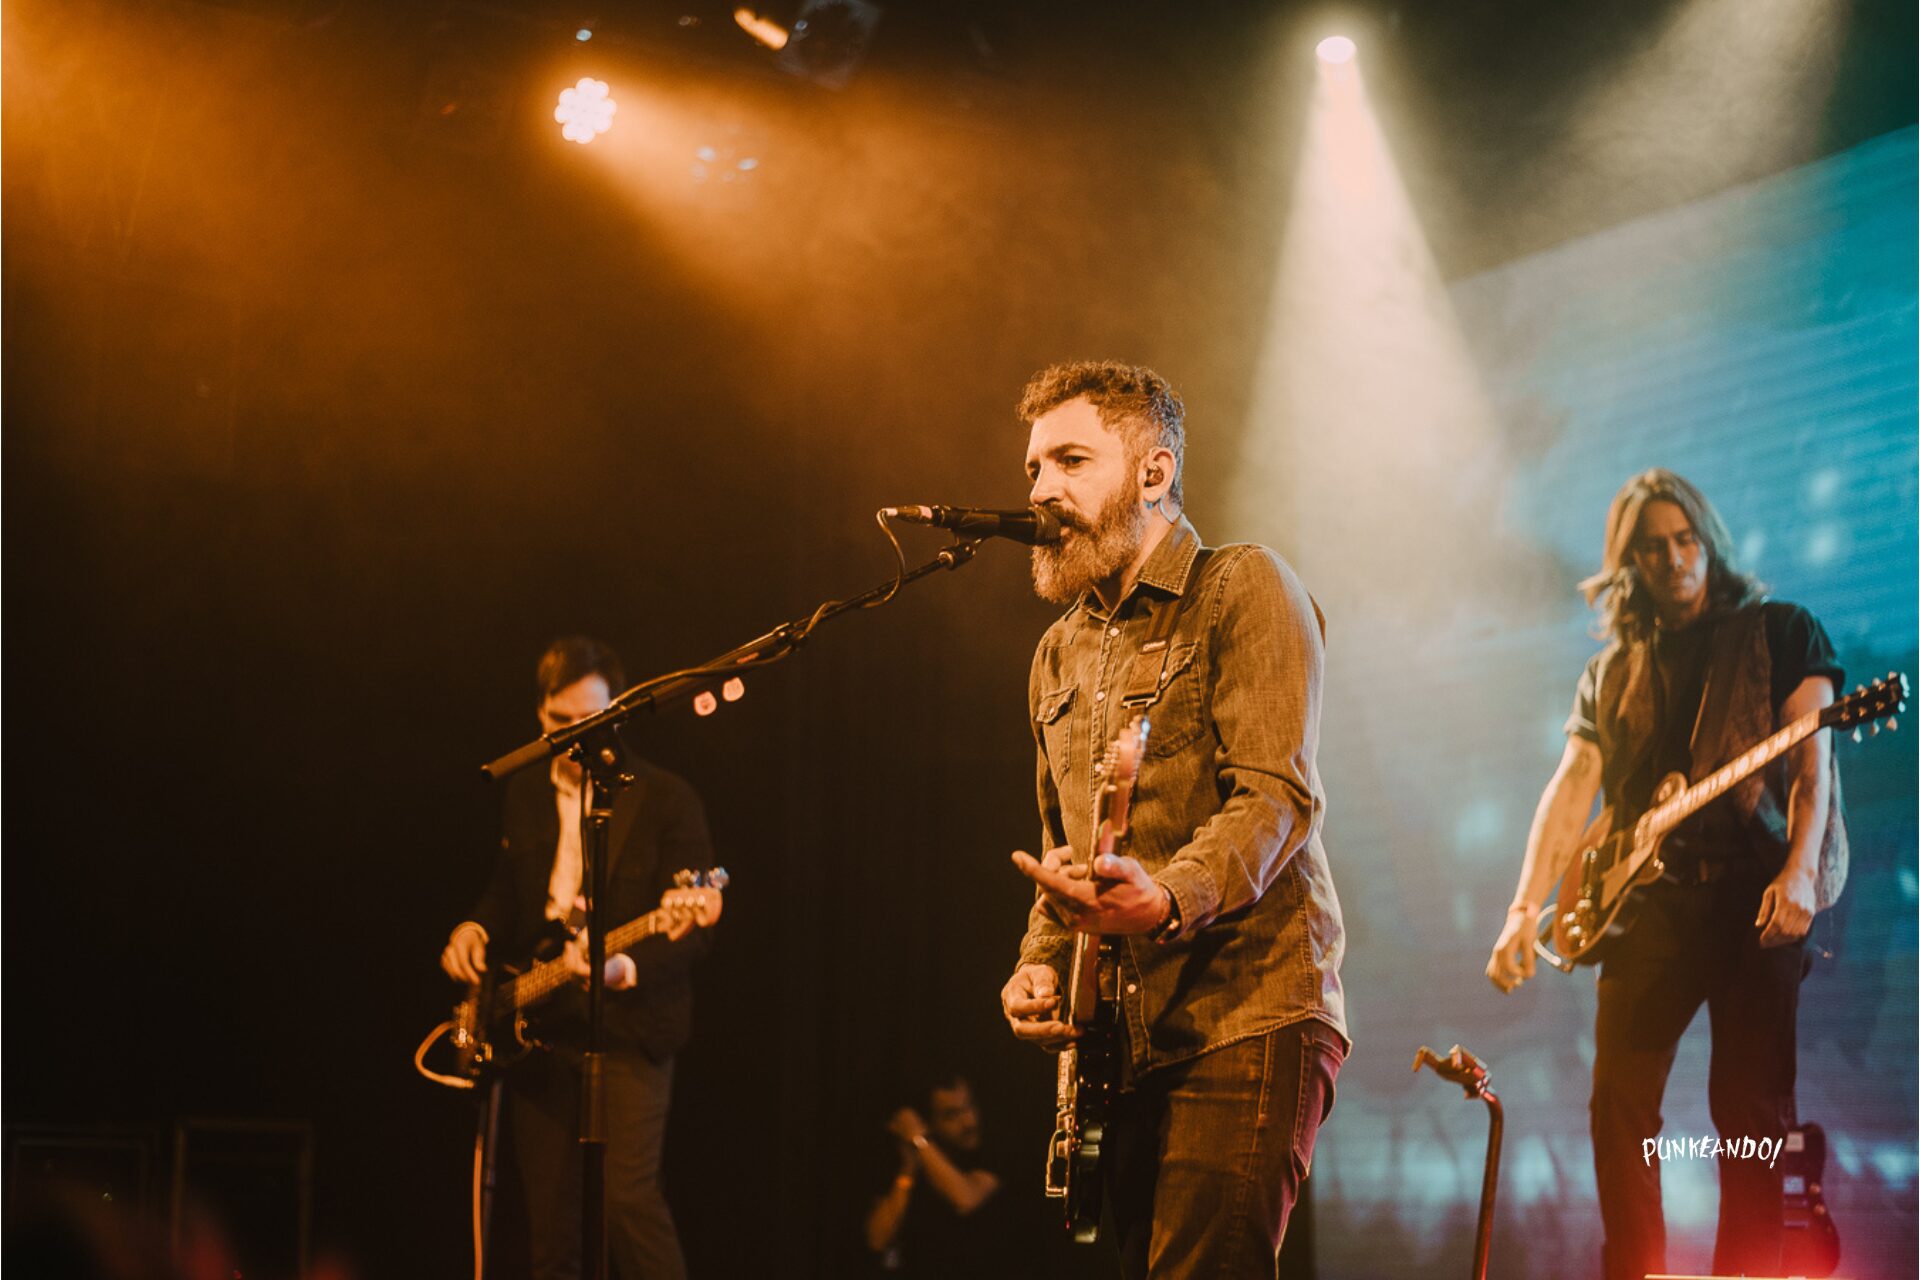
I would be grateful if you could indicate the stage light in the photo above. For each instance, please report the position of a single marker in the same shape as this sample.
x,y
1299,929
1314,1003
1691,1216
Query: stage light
x,y
765,30
1335,49
585,111
583,35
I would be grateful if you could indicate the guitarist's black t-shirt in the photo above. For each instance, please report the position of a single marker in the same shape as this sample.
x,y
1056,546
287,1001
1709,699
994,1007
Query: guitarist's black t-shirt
x,y
1797,647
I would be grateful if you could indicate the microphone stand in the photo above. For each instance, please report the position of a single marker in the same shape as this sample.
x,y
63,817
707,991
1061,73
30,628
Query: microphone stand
x,y
594,743
1472,1075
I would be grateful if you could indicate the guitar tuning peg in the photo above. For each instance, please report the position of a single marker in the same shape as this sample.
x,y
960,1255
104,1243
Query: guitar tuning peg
x,y
1875,733
1857,735
1859,688
686,879
1892,724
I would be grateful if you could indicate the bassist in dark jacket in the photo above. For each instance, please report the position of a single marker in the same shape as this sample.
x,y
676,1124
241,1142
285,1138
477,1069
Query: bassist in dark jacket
x,y
658,829
1698,669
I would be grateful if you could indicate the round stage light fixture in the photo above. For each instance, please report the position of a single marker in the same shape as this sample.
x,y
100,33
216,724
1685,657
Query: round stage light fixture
x,y
1335,49
585,111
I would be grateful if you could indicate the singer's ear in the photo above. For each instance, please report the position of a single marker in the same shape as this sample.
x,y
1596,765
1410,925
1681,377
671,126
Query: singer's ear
x,y
1158,475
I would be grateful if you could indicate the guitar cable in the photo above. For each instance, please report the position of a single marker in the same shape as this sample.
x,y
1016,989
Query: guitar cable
x,y
479,1236
420,1060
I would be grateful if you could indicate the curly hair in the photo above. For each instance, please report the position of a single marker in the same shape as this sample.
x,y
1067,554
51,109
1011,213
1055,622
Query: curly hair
x,y
1133,401
1625,605
573,658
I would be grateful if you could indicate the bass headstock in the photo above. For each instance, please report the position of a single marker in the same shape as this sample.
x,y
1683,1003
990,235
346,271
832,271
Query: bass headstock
x,y
1868,705
697,894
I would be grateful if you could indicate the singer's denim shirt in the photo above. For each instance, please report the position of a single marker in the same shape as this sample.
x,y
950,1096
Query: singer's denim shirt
x,y
1228,805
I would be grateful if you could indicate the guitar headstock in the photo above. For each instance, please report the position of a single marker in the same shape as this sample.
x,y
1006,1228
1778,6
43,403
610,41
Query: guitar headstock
x,y
1118,769
697,895
1867,705
1122,761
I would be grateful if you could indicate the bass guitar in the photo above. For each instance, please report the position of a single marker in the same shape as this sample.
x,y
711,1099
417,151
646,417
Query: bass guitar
x,y
492,1027
1089,1068
1596,894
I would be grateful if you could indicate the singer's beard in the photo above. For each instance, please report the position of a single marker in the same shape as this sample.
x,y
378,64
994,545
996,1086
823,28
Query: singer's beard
x,y
1084,556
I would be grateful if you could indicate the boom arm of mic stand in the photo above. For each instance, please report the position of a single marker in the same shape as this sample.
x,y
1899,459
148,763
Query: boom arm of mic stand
x,y
677,686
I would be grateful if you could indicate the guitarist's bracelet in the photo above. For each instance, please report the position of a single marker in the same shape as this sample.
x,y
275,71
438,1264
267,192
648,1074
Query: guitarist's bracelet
x,y
1169,925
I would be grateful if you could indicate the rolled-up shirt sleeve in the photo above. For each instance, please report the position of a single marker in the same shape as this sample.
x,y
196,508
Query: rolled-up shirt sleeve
x,y
1268,660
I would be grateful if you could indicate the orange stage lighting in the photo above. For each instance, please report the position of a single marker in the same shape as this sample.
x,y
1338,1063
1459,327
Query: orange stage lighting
x,y
765,30
585,111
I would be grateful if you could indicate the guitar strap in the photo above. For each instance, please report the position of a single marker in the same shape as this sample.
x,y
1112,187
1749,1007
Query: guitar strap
x,y
1150,664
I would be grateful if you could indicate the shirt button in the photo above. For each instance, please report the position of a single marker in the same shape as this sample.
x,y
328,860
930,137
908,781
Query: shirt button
x,y
1132,987
1099,695
1113,631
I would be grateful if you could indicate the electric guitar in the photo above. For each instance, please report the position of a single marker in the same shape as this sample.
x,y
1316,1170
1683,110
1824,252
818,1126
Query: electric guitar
x,y
1595,896
1089,1068
1809,1243
492,1027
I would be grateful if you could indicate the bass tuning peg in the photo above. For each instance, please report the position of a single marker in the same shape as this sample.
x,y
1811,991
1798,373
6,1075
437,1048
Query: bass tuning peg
x,y
1857,735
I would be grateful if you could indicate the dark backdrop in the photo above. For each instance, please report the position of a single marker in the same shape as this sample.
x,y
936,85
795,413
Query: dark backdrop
x,y
336,385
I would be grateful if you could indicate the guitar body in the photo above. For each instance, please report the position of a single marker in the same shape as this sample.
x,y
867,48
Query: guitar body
x,y
1809,1242
1595,901
1083,1094
489,1033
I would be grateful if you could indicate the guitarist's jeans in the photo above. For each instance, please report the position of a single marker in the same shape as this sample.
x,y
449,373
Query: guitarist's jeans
x,y
544,1102
1206,1156
1692,945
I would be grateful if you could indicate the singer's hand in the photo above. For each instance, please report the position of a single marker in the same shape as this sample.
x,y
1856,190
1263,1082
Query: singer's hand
x,y
1031,1001
1120,897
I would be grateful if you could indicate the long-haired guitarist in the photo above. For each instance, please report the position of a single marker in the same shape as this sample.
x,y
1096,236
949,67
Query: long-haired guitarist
x,y
1204,667
1698,668
658,828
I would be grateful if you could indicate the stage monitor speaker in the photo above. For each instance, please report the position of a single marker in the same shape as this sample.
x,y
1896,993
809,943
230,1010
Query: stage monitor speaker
x,y
107,1166
244,1188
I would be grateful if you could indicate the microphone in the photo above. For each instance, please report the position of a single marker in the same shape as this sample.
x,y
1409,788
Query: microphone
x,y
1035,526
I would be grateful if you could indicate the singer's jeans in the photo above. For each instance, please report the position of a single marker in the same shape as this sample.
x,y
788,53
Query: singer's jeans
x,y
1689,945
1205,1157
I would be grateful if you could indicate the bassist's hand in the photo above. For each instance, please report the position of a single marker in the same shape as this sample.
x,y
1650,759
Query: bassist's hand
x,y
1031,1001
621,975
1512,962
465,957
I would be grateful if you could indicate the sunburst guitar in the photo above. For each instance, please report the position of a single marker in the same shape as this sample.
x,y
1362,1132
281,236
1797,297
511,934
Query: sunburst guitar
x,y
1596,896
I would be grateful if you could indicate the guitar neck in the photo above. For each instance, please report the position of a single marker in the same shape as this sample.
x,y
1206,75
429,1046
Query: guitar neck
x,y
541,981
1665,817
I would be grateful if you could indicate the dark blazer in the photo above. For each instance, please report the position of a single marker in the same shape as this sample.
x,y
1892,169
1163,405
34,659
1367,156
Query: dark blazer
x,y
658,829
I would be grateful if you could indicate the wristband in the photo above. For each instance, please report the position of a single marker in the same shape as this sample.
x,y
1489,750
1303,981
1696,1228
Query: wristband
x,y
1169,926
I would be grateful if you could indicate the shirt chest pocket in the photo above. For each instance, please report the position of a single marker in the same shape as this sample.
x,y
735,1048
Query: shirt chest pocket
x,y
1054,719
1175,716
